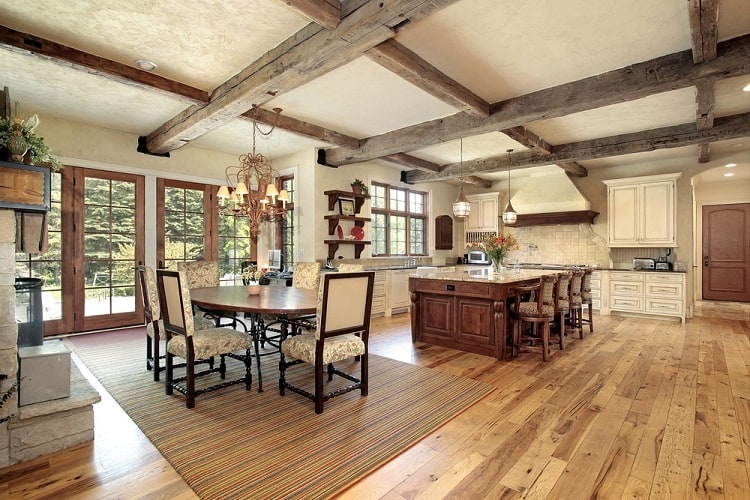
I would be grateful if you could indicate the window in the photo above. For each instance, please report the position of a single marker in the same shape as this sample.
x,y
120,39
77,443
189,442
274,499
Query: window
x,y
285,235
398,221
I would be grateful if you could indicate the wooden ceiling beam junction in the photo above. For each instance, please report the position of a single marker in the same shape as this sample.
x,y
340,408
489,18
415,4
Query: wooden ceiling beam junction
x,y
326,13
524,136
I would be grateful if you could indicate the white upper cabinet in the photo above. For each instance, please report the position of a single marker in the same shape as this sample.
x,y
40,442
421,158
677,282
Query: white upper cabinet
x,y
484,212
642,211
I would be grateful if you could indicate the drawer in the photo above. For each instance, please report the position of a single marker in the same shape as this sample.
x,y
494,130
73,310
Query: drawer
x,y
662,306
627,303
459,288
664,290
628,288
596,284
596,275
596,294
664,278
596,304
627,276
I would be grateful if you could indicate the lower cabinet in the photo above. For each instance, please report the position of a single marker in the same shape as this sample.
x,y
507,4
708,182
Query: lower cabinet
x,y
596,290
656,293
399,300
378,294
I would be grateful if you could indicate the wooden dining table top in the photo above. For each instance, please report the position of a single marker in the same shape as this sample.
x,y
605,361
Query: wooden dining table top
x,y
271,300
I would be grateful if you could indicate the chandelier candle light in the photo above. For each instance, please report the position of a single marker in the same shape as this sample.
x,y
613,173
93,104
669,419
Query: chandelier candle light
x,y
251,191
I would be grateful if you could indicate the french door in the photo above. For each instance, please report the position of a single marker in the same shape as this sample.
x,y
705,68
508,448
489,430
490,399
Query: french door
x,y
96,234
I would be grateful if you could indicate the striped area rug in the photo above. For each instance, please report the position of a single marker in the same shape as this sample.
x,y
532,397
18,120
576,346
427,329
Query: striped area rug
x,y
245,444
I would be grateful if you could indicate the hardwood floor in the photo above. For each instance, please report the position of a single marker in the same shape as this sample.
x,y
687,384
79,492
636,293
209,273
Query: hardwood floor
x,y
638,409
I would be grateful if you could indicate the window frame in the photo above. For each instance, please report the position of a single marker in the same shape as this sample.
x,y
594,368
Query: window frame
x,y
408,216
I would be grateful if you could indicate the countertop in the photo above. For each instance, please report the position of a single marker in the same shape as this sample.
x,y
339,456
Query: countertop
x,y
483,276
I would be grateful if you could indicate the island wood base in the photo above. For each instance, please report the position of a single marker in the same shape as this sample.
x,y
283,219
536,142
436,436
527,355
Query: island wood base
x,y
468,315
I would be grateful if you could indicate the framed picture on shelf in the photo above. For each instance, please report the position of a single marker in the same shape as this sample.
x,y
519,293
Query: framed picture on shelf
x,y
346,207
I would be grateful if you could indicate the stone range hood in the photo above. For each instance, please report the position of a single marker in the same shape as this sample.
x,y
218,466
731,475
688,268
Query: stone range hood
x,y
549,197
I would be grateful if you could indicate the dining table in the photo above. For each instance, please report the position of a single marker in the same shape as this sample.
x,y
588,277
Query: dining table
x,y
280,301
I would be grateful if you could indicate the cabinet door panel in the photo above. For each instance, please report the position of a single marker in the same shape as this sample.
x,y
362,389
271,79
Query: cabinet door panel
x,y
436,316
657,215
475,321
623,215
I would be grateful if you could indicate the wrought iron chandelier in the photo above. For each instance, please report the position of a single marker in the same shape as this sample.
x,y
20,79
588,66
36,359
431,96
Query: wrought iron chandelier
x,y
251,188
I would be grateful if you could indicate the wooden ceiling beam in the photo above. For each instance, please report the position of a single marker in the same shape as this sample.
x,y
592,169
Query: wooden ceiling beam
x,y
725,128
409,161
301,128
704,16
671,72
524,136
412,68
113,70
326,13
308,54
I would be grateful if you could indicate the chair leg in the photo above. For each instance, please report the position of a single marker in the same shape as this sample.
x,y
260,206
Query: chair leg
x,y
363,375
155,358
190,370
318,386
545,341
591,318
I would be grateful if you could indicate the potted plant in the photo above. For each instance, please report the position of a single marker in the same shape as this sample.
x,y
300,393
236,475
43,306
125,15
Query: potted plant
x,y
360,187
15,134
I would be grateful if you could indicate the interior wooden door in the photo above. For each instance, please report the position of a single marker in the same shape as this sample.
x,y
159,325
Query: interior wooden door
x,y
726,252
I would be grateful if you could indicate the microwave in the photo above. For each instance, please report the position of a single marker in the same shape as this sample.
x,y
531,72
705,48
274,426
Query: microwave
x,y
477,257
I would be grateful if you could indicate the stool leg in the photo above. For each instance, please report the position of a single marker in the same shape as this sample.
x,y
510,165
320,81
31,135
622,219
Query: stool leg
x,y
545,341
591,318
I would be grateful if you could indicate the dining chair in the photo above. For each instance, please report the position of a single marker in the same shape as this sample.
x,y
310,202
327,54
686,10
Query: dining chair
x,y
184,341
154,323
586,300
538,309
203,274
306,275
351,268
341,332
576,301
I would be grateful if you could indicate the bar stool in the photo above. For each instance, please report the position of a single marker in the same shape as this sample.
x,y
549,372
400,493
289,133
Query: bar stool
x,y
586,300
562,304
576,301
539,309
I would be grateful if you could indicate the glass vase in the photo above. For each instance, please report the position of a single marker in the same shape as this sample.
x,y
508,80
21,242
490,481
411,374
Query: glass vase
x,y
497,265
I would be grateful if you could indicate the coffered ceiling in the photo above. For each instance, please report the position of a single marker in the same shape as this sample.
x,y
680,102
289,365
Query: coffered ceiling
x,y
569,84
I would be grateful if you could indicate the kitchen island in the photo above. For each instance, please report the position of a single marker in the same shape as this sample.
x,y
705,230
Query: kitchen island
x,y
465,310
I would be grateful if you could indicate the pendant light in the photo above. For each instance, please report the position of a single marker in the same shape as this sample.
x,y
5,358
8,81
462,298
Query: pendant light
x,y
461,207
509,214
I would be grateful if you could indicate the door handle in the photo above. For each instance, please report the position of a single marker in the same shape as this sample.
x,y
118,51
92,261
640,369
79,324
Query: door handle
x,y
706,262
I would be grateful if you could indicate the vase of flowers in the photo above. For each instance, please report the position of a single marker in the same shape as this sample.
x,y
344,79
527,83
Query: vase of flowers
x,y
497,246
251,277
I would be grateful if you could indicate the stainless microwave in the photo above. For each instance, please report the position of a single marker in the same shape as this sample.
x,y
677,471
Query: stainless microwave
x,y
477,257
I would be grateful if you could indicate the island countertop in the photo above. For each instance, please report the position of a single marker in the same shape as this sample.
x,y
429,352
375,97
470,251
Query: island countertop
x,y
465,310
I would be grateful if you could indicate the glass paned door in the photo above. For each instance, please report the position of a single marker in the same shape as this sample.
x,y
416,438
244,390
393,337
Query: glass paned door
x,y
110,236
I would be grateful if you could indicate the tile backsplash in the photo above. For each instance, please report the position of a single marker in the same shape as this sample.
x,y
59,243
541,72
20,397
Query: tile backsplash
x,y
560,244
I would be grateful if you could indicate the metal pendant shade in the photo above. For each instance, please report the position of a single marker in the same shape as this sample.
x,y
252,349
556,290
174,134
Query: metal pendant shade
x,y
510,216
461,207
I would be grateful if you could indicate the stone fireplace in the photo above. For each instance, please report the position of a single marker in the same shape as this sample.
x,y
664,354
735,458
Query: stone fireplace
x,y
36,429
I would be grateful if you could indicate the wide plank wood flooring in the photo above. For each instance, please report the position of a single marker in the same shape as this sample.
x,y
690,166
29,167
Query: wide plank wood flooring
x,y
639,409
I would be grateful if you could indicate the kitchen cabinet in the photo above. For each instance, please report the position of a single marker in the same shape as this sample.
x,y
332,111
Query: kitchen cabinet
x,y
334,220
642,211
399,298
649,292
443,232
378,294
484,212
596,290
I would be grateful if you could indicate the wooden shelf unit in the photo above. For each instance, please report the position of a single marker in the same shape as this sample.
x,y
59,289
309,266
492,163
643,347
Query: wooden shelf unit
x,y
334,220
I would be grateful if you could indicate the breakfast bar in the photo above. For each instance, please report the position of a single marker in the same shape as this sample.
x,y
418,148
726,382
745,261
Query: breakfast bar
x,y
465,310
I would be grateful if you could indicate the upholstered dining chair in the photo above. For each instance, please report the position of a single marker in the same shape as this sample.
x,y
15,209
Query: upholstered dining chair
x,y
154,324
306,275
540,308
576,301
202,274
586,300
351,268
341,332
183,341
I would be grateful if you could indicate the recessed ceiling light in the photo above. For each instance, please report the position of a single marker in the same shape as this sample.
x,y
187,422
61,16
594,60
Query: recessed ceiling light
x,y
146,65
730,165
729,174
